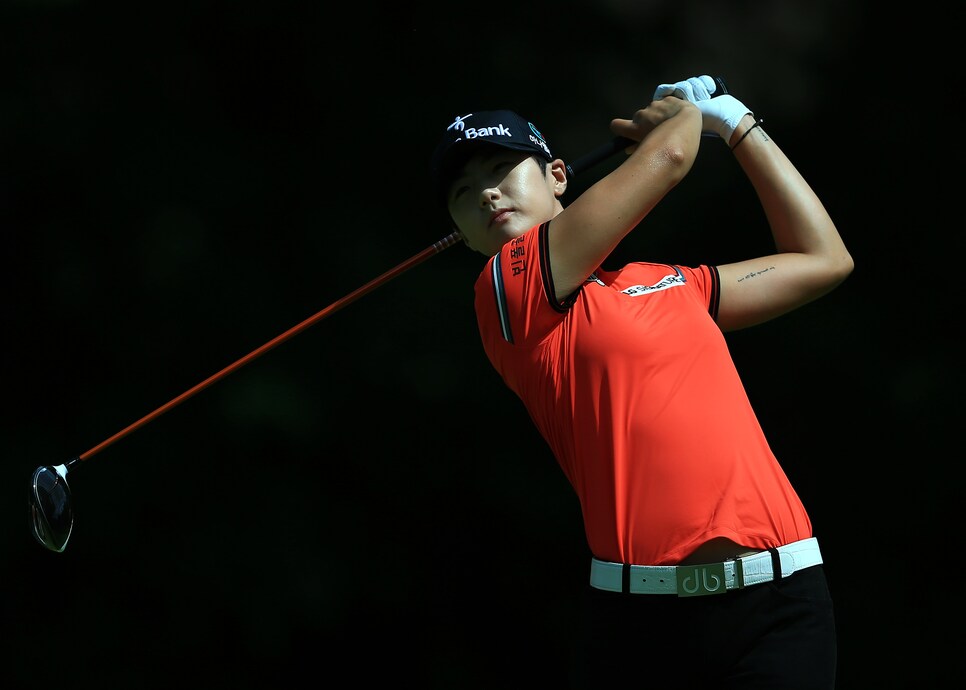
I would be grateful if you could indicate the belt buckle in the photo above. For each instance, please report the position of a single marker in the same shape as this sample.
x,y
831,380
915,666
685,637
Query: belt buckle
x,y
701,580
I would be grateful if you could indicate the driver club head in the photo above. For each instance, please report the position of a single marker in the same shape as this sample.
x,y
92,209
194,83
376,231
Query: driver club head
x,y
50,507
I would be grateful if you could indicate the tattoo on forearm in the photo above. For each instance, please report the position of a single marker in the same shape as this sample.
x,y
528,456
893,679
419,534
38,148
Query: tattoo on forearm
x,y
753,274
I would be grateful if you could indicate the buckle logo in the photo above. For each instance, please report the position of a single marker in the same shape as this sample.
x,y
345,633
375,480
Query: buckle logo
x,y
701,580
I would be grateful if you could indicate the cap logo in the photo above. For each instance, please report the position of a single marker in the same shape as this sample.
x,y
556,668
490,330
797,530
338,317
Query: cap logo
x,y
538,140
500,130
458,123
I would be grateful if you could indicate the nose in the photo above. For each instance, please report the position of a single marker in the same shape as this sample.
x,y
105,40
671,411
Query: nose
x,y
488,195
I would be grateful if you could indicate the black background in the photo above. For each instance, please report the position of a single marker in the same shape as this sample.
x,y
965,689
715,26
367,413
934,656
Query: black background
x,y
183,182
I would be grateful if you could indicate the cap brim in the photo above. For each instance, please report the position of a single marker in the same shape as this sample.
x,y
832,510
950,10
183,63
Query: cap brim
x,y
455,158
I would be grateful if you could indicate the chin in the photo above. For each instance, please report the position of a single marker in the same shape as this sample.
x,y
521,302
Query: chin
x,y
512,230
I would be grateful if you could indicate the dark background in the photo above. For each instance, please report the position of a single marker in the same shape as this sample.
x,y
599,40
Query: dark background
x,y
180,182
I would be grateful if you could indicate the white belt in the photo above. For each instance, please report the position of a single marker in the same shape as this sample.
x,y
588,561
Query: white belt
x,y
708,578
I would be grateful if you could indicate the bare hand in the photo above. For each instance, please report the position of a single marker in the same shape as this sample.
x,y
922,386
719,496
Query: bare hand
x,y
646,119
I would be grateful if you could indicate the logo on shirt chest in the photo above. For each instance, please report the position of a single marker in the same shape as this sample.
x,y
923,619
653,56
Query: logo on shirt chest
x,y
669,281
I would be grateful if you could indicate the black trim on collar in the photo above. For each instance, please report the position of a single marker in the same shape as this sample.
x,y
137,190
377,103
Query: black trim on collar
x,y
547,276
499,295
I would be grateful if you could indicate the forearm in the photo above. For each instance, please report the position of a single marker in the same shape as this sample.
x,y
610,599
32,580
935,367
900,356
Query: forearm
x,y
799,221
670,136
589,229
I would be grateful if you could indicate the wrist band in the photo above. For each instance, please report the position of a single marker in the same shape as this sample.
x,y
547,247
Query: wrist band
x,y
747,132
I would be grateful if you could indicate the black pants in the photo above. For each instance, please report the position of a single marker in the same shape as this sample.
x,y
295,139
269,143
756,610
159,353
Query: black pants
x,y
772,636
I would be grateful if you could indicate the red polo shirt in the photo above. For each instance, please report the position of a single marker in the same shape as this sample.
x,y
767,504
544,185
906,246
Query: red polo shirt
x,y
631,383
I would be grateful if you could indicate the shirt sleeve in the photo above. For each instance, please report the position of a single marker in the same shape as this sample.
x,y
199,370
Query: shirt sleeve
x,y
705,280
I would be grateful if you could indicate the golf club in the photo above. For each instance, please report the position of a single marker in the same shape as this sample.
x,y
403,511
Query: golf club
x,y
51,509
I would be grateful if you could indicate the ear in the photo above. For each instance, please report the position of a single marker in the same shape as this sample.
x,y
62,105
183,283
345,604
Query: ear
x,y
558,170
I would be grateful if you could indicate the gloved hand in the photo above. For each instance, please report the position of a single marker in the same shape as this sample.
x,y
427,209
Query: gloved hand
x,y
720,114
694,89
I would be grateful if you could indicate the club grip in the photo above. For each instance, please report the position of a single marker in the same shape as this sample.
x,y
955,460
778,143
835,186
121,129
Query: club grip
x,y
616,144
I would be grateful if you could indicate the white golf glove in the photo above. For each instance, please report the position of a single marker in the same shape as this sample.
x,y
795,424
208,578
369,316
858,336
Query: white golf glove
x,y
694,89
721,114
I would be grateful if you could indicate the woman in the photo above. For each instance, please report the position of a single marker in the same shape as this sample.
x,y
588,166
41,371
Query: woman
x,y
705,570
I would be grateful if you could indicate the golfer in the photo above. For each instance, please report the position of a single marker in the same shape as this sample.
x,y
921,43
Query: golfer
x,y
705,572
